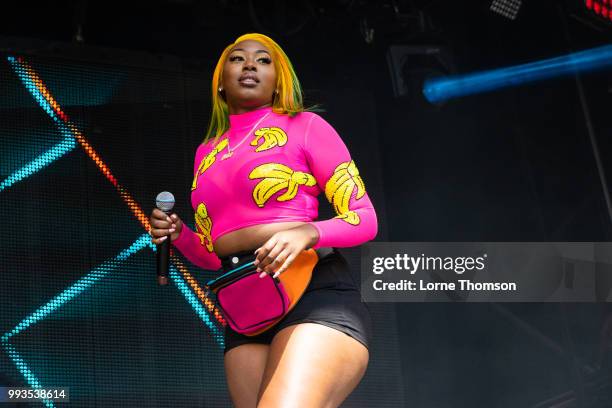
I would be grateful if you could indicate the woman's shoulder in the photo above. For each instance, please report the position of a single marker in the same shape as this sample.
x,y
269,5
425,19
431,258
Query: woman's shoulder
x,y
306,116
211,142
308,119
206,146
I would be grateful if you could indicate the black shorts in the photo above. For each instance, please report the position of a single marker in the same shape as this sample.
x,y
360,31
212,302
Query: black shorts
x,y
332,299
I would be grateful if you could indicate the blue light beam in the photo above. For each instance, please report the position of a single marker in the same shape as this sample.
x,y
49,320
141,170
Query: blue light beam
x,y
41,161
59,150
444,88
78,287
25,370
83,284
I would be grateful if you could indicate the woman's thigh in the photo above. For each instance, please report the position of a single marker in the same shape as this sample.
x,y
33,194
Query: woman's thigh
x,y
311,365
244,368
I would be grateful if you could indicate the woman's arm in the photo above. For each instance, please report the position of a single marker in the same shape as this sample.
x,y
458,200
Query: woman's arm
x,y
189,243
337,175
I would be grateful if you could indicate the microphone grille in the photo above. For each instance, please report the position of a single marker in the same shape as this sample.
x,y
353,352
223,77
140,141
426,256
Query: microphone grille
x,y
164,201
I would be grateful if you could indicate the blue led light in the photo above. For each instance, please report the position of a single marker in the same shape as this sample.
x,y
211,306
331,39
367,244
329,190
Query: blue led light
x,y
193,301
24,369
40,162
440,89
196,305
85,282
60,300
31,87
67,144
45,159
52,154
78,287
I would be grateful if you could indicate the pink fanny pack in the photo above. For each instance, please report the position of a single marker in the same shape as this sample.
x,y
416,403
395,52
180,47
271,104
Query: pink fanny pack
x,y
251,304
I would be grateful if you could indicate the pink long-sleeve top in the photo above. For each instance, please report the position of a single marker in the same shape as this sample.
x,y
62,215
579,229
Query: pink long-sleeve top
x,y
278,166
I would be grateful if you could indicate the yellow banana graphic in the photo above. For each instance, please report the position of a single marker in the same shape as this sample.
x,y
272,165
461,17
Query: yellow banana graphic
x,y
276,177
340,187
207,161
272,136
351,217
204,226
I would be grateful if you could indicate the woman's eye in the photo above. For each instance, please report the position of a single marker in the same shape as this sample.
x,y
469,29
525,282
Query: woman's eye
x,y
264,60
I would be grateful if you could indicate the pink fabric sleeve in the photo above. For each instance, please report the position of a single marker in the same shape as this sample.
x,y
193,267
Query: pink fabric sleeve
x,y
337,175
188,242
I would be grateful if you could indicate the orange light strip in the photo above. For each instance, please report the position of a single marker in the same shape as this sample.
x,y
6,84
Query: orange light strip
x,y
123,193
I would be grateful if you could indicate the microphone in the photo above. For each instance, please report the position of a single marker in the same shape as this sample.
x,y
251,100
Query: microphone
x,y
165,202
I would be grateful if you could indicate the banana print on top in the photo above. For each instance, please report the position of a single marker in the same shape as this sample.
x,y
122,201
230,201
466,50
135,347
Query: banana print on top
x,y
339,189
207,162
276,175
204,226
272,137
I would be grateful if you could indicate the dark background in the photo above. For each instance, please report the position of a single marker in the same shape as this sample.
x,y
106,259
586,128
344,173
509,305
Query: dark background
x,y
516,164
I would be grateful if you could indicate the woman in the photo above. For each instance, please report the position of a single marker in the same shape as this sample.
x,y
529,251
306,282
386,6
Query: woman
x,y
256,180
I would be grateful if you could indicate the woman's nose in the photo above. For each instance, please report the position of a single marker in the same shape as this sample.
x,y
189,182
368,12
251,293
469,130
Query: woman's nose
x,y
249,65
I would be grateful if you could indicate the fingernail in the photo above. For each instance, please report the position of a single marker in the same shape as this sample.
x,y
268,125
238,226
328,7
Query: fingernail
x,y
258,270
256,262
261,275
168,218
172,230
163,238
276,274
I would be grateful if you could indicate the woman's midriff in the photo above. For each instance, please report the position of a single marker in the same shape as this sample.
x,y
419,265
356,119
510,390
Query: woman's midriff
x,y
249,238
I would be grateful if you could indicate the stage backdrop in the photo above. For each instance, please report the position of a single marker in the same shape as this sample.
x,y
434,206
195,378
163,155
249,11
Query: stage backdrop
x,y
85,145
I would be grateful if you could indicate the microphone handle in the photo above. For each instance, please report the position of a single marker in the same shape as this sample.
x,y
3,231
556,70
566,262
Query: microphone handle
x,y
163,259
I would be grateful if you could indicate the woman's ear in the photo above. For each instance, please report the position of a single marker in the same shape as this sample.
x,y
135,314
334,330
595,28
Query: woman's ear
x,y
221,91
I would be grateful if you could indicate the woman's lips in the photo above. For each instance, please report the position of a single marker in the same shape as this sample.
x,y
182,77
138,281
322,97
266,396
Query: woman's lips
x,y
250,82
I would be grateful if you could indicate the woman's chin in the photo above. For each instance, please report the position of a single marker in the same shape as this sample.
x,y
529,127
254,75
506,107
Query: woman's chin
x,y
252,101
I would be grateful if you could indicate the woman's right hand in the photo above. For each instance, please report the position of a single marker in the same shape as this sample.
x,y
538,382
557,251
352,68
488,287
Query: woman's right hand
x,y
163,225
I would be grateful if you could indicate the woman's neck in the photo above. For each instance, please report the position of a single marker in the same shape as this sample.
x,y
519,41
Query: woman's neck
x,y
237,109
248,118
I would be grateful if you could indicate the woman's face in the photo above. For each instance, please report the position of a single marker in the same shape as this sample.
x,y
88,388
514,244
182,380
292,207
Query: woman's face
x,y
249,76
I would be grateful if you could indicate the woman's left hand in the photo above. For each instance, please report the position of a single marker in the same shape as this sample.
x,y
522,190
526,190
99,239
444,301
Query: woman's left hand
x,y
283,247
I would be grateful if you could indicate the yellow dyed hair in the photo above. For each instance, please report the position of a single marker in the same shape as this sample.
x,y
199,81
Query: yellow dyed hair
x,y
289,98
